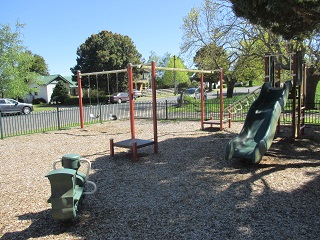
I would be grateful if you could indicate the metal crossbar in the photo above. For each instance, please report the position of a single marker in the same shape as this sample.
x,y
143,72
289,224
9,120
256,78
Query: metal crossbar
x,y
103,72
181,69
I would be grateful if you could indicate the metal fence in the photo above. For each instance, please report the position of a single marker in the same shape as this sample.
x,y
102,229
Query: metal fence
x,y
62,118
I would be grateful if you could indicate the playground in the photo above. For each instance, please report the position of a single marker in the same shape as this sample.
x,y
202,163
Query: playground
x,y
188,190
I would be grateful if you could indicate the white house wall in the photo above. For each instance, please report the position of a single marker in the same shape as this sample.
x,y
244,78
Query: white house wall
x,y
45,92
48,90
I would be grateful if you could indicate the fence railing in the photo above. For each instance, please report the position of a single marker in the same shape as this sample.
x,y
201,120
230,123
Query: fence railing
x,y
62,118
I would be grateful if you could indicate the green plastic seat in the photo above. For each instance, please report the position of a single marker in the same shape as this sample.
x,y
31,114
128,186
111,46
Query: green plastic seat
x,y
65,193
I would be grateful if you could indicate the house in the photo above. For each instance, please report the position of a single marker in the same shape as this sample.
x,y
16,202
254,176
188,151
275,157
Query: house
x,y
47,84
144,80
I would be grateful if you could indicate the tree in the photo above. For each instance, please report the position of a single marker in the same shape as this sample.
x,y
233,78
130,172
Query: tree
x,y
103,52
310,51
211,57
60,92
249,66
16,76
214,28
169,77
153,57
161,61
39,64
283,49
246,44
292,19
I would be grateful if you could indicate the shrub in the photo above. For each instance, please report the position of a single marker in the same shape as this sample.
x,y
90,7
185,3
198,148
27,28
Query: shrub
x,y
60,92
38,101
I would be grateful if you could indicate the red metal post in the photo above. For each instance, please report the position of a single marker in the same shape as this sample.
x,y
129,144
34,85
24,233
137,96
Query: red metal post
x,y
304,93
80,99
154,106
202,101
277,85
294,96
131,101
221,99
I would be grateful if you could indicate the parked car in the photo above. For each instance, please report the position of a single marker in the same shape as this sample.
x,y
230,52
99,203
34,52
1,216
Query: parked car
x,y
8,105
119,97
192,92
238,84
137,93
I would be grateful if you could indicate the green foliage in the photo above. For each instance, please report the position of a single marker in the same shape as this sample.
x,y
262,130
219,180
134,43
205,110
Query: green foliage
x,y
169,77
38,64
291,19
211,57
38,101
16,73
160,62
103,52
189,99
250,67
317,98
60,92
92,93
246,44
154,57
75,101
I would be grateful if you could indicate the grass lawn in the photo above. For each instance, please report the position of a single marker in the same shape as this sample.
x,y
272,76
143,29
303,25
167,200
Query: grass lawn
x,y
43,107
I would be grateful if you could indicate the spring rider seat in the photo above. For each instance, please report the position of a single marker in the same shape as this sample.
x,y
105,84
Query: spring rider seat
x,y
67,186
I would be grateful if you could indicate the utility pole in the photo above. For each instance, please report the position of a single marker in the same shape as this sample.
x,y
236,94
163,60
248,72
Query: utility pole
x,y
175,76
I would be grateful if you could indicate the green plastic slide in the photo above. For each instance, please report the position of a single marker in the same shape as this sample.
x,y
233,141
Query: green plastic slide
x,y
260,125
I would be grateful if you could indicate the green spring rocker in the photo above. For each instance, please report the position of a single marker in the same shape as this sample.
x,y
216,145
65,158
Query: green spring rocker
x,y
67,186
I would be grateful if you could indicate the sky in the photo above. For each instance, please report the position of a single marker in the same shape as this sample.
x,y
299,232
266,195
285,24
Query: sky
x,y
56,28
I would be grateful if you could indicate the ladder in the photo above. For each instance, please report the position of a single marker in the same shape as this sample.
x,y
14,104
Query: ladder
x,y
298,99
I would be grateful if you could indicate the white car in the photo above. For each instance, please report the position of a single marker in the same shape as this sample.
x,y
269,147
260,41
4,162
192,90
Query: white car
x,y
192,92
137,93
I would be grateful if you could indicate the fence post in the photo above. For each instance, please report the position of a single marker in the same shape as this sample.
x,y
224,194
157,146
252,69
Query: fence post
x,y
230,115
166,109
1,130
58,118
100,113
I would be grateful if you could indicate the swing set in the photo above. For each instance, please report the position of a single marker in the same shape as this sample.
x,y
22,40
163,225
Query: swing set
x,y
133,143
79,78
220,121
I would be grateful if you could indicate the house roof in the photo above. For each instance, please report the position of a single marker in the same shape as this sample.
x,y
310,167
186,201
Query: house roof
x,y
69,79
55,78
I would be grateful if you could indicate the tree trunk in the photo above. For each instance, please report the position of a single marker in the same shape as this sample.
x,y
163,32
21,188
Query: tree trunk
x,y
311,87
230,92
210,85
230,87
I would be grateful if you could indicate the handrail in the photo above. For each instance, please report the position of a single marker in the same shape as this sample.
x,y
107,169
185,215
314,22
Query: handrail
x,y
239,102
